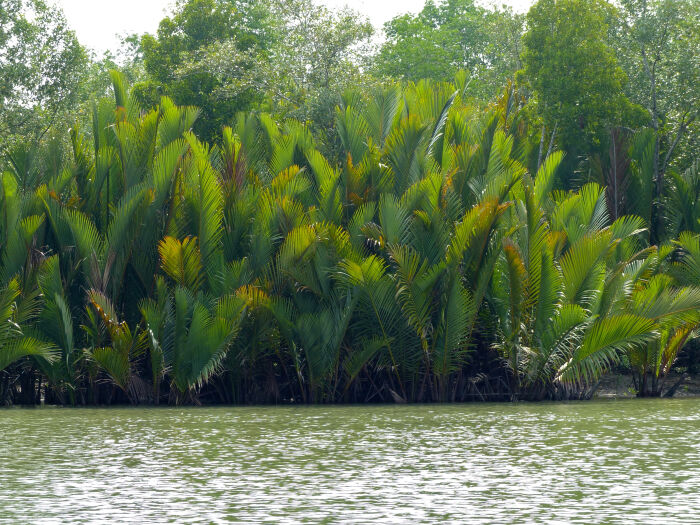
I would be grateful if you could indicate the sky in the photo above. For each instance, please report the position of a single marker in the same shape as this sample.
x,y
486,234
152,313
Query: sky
x,y
98,23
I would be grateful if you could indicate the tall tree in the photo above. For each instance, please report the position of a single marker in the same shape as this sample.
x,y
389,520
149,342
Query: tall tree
x,y
40,67
314,55
193,28
451,35
658,44
572,69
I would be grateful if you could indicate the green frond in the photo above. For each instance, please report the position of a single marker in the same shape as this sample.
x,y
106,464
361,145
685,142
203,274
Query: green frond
x,y
544,179
394,220
14,349
517,281
181,261
86,237
436,143
452,329
360,357
602,343
353,131
116,364
583,269
405,153
210,216
381,113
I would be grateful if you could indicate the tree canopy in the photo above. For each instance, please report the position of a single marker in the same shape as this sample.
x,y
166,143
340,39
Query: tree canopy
x,y
194,27
450,36
41,63
573,71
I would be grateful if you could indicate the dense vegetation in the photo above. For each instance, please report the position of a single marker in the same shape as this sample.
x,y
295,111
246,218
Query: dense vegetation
x,y
266,220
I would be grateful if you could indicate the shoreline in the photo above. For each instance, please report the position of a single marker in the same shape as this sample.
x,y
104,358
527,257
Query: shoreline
x,y
620,386
612,387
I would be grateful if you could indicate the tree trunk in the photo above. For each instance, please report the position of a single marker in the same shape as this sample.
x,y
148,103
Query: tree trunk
x,y
539,154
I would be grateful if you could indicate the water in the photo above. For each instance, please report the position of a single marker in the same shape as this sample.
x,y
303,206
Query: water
x,y
611,462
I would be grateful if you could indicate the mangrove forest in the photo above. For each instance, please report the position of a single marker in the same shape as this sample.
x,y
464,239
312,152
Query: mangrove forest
x,y
261,204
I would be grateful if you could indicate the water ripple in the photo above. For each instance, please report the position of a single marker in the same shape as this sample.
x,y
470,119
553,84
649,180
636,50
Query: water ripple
x,y
611,462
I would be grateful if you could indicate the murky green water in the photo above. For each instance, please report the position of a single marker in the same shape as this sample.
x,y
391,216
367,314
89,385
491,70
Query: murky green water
x,y
624,461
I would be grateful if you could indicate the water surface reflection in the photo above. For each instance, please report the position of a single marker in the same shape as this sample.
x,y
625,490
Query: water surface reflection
x,y
624,461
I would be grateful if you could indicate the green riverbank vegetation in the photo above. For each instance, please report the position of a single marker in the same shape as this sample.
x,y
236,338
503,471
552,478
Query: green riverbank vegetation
x,y
256,210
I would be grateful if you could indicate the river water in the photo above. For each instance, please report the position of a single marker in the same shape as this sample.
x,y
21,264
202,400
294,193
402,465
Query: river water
x,y
611,462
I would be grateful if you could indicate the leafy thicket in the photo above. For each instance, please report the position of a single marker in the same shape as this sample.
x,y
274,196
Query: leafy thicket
x,y
424,261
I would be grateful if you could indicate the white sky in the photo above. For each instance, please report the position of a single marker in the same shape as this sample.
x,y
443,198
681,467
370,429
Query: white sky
x,y
99,22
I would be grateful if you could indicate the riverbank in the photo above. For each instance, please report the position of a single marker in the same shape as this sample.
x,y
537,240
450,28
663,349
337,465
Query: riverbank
x,y
612,386
621,386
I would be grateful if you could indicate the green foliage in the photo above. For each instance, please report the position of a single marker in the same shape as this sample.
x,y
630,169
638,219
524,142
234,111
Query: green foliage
x,y
657,44
572,69
41,65
190,31
15,345
453,35
411,245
